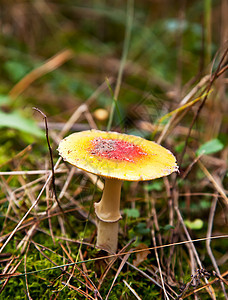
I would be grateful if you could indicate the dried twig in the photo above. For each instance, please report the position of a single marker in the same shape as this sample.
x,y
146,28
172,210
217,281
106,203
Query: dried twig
x,y
205,286
30,209
214,182
132,290
155,244
26,279
52,167
111,262
211,292
159,266
209,233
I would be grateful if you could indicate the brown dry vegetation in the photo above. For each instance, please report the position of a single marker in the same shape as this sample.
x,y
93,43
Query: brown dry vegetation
x,y
158,68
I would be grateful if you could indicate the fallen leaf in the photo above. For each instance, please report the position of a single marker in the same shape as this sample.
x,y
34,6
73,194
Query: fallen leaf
x,y
142,255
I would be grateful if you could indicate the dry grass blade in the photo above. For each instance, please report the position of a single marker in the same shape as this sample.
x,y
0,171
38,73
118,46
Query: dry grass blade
x,y
124,259
147,83
33,221
111,262
89,284
132,290
184,101
131,252
210,289
12,271
147,276
26,239
155,223
206,285
214,182
34,172
181,108
159,265
209,250
30,209
63,268
75,116
128,28
26,279
79,290
81,110
50,65
52,167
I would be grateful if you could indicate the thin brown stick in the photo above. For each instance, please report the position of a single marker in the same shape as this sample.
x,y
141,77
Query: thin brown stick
x,y
132,290
52,167
121,254
79,290
193,247
111,264
146,275
2,238
213,77
159,266
26,278
124,259
185,100
214,182
155,220
205,286
30,209
65,186
48,212
12,270
33,172
80,110
23,243
208,242
55,264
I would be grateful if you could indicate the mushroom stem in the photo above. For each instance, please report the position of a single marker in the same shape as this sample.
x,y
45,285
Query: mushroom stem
x,y
108,214
107,236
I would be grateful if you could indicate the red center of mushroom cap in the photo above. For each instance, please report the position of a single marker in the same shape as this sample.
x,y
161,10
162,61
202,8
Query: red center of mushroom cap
x,y
116,150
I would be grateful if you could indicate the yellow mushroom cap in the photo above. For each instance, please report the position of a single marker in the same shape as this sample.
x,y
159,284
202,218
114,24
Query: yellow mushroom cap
x,y
116,155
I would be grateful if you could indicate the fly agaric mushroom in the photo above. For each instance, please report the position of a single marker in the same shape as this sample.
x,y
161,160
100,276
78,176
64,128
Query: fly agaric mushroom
x,y
116,157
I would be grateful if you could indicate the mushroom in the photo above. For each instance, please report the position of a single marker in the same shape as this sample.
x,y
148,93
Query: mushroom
x,y
100,114
116,157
